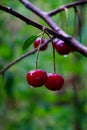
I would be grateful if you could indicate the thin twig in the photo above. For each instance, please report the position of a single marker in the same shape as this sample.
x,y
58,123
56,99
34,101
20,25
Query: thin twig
x,y
54,12
17,60
21,58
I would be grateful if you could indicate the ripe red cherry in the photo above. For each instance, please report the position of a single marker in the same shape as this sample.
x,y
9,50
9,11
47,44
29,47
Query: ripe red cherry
x,y
37,42
54,81
36,78
62,48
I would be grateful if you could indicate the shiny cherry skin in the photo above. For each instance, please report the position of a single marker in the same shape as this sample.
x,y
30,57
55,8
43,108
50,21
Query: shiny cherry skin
x,y
37,42
54,82
62,48
36,78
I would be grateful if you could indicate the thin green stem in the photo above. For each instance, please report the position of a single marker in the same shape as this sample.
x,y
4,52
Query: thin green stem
x,y
54,63
38,49
66,12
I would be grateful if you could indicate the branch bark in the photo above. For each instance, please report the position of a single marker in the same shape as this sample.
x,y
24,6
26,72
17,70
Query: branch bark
x,y
55,30
59,32
21,58
71,5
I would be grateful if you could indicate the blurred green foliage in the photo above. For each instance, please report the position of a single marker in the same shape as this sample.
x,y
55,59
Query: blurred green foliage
x,y
26,108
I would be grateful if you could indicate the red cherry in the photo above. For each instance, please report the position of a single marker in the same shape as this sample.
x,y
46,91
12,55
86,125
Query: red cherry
x,y
62,48
37,42
36,78
54,81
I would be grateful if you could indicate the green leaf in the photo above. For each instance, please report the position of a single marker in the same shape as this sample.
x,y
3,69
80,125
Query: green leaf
x,y
29,41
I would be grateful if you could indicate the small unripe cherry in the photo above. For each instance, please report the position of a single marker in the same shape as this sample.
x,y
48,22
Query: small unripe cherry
x,y
37,42
62,48
54,82
36,78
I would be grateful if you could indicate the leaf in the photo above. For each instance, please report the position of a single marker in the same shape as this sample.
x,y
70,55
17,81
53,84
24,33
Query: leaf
x,y
29,41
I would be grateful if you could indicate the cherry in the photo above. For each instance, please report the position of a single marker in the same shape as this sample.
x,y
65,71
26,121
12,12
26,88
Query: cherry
x,y
62,48
36,78
37,42
54,81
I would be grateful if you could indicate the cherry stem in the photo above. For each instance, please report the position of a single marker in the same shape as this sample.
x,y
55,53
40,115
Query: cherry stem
x,y
38,49
79,23
61,20
66,11
54,64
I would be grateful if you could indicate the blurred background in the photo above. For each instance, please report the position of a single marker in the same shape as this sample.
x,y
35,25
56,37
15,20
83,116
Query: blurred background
x,y
26,108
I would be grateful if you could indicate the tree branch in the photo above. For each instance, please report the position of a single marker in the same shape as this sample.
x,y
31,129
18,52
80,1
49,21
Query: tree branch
x,y
20,16
58,31
22,57
55,31
17,60
28,21
53,12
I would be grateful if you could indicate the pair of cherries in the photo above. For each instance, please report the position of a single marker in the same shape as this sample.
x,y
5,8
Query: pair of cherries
x,y
52,81
61,47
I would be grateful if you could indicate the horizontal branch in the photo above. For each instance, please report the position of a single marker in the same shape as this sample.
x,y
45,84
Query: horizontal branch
x,y
62,8
58,32
20,16
17,60
55,32
22,57
29,21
